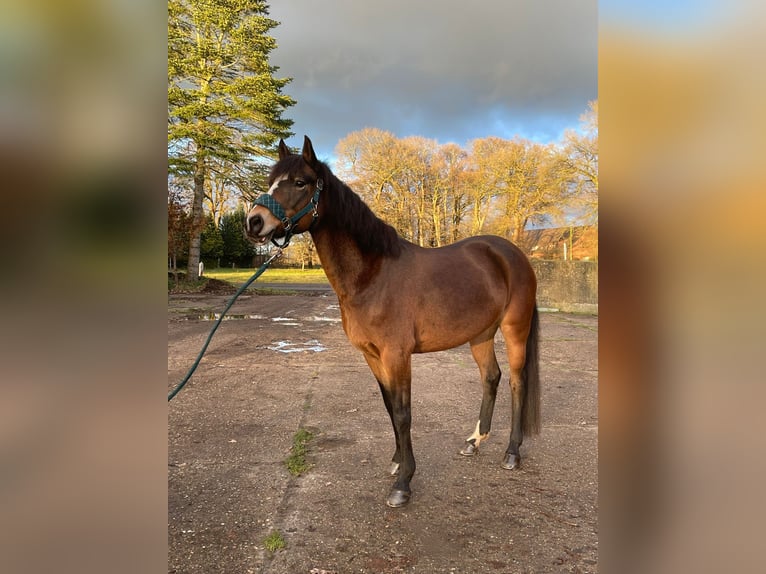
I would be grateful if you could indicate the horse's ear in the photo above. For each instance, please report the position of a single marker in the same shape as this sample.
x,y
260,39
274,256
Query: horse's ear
x,y
308,152
284,151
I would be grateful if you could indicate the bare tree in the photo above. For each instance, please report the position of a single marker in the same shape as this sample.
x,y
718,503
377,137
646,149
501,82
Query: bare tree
x,y
582,162
436,194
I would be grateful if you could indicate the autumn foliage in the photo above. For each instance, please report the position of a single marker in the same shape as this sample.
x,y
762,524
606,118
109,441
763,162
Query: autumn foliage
x,y
436,194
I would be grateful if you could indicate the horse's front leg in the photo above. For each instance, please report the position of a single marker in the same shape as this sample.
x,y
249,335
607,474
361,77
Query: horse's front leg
x,y
395,460
393,372
402,417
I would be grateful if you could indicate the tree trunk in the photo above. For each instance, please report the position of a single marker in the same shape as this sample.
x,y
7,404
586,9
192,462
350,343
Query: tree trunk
x,y
479,215
518,230
197,220
436,216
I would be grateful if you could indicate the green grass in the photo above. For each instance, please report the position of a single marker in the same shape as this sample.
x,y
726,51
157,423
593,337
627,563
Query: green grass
x,y
296,463
271,275
274,541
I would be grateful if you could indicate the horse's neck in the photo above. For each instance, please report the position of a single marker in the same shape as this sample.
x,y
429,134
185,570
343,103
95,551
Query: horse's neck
x,y
349,260
341,259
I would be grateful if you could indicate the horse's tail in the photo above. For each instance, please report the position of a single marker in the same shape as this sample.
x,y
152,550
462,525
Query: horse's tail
x,y
530,376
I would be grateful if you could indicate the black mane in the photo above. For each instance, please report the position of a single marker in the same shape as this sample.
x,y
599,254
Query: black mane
x,y
350,213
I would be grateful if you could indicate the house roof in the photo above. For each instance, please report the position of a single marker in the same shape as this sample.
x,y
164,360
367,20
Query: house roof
x,y
549,243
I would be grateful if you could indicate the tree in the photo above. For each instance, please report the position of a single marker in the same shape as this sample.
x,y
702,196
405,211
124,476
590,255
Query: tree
x,y
303,250
211,243
533,186
407,182
368,159
452,192
224,104
237,250
407,192
483,179
178,225
435,194
524,180
582,161
218,190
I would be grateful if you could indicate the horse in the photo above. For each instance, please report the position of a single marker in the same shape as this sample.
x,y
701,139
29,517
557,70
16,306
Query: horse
x,y
397,298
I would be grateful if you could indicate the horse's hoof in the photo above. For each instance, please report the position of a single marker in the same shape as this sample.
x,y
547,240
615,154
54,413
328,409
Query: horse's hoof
x,y
469,449
393,470
511,461
398,498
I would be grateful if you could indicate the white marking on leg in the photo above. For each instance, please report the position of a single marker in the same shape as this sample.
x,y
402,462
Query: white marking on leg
x,y
477,437
276,183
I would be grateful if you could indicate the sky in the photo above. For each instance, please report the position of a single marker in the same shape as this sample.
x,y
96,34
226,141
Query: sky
x,y
446,70
664,16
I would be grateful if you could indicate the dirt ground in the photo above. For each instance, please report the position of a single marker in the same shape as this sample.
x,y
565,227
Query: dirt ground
x,y
282,363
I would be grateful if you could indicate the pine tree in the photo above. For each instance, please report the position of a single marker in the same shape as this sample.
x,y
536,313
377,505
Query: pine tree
x,y
224,103
211,243
236,249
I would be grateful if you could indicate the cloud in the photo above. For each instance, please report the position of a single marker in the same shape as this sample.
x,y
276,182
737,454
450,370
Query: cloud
x,y
447,70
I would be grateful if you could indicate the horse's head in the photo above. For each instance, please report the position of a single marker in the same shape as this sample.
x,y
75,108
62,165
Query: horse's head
x,y
290,204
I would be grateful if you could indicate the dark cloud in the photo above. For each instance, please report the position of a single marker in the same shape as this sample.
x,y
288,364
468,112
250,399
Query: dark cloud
x,y
447,70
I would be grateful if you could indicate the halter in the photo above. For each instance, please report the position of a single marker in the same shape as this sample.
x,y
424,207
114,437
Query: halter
x,y
289,223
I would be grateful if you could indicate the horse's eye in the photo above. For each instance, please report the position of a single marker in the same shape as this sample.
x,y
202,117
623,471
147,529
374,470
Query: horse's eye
x,y
300,183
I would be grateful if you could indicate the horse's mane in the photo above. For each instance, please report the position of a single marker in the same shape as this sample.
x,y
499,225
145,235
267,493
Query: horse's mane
x,y
346,211
351,213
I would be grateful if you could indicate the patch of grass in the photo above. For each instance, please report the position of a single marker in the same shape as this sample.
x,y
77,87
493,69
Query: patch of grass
x,y
296,463
271,275
274,541
270,291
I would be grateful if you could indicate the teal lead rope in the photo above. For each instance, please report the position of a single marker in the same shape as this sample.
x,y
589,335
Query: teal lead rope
x,y
247,283
288,223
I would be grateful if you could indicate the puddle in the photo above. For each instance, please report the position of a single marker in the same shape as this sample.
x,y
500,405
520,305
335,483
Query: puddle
x,y
328,319
287,321
227,317
287,347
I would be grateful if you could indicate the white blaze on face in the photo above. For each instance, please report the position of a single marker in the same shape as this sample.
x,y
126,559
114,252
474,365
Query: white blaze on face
x,y
477,436
276,183
270,222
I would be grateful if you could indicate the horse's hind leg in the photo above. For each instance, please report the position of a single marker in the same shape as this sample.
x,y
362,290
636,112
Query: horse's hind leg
x,y
483,350
515,342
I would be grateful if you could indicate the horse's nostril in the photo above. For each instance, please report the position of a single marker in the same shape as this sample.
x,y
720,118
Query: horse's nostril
x,y
254,224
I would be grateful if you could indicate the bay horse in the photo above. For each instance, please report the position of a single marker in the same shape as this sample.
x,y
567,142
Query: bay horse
x,y
397,298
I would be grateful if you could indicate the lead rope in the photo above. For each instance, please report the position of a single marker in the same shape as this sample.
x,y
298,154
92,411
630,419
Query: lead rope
x,y
247,283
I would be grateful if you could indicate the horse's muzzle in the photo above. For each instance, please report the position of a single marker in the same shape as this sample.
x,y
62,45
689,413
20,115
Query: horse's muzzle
x,y
258,231
254,225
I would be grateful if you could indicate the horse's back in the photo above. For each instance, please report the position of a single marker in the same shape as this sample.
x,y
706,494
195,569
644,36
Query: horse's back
x,y
506,269
495,253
